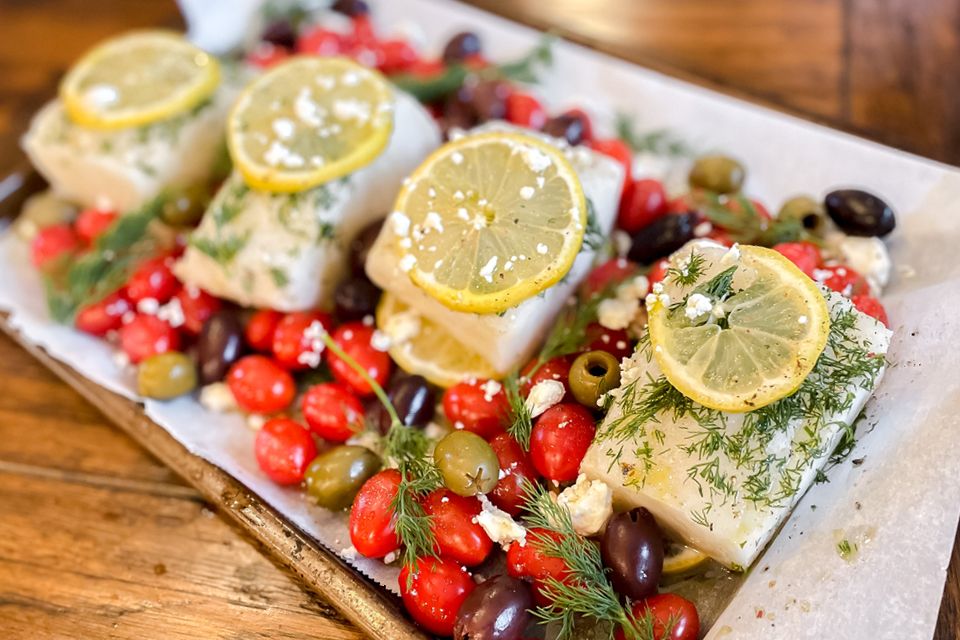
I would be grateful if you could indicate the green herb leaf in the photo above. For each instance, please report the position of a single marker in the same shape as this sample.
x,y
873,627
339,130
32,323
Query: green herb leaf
x,y
521,422
526,69
660,141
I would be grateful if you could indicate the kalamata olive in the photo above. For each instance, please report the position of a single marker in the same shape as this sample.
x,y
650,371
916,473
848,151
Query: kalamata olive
x,y
166,375
569,126
593,374
662,237
860,213
355,298
360,246
807,211
498,609
352,8
280,33
632,548
489,99
219,345
462,46
334,477
458,112
721,174
467,463
414,400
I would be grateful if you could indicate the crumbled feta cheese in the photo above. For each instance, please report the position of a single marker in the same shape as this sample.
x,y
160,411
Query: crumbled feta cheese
x,y
544,395
702,229
284,128
698,305
256,421
486,271
542,248
402,327
172,313
868,257
349,553
407,262
490,389
148,306
309,359
590,503
456,157
621,242
391,557
536,160
121,359
498,524
527,192
732,254
400,224
617,313
433,221
380,341
217,397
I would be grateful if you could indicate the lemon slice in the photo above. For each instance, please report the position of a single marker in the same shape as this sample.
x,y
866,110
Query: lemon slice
x,y
751,346
420,347
138,78
308,121
490,220
681,561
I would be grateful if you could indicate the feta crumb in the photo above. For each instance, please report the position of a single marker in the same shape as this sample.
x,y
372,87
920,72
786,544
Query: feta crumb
x,y
402,327
802,320
544,395
217,397
256,421
456,157
542,248
349,553
407,262
868,257
490,389
309,358
617,313
121,359
702,229
400,224
590,503
148,306
380,341
391,557
172,313
486,271
622,242
433,221
284,128
527,192
698,305
536,160
498,524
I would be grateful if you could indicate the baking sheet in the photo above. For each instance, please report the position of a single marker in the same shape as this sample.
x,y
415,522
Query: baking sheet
x,y
901,504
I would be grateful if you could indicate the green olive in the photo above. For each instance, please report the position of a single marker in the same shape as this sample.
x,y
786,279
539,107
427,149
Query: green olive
x,y
186,206
593,374
467,463
721,174
808,212
334,477
166,375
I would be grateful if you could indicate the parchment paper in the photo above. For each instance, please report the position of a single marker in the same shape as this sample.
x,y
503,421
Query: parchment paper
x,y
900,503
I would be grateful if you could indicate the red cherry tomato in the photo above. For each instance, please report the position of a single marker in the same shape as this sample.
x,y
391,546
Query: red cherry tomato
x,y
197,306
735,205
527,561
355,340
720,237
260,329
668,611
425,68
658,271
559,441
608,274
643,201
363,31
471,406
266,55
321,42
260,385
371,519
91,223
554,369
147,336
585,120
805,255
842,280
291,342
525,110
101,317
332,411
53,243
872,307
619,151
284,448
516,471
433,593
153,279
616,342
398,56
458,536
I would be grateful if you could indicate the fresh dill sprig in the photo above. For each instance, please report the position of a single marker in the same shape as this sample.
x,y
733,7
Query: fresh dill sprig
x,y
593,236
719,287
521,422
688,271
526,68
746,225
659,141
846,549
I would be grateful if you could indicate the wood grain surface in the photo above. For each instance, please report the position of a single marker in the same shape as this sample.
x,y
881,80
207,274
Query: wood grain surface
x,y
99,540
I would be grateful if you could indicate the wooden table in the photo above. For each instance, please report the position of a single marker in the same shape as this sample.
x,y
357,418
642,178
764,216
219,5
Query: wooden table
x,y
99,540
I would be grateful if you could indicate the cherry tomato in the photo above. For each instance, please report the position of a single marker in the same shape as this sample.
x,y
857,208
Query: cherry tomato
x,y
842,280
643,201
516,470
153,279
616,342
371,519
720,237
267,54
197,306
433,593
355,340
671,611
608,274
363,31
525,110
527,561
91,223
101,317
735,205
619,151
872,307
559,441
53,243
291,339
805,255
458,536
147,336
398,56
260,385
658,271
587,126
554,369
425,68
478,406
284,448
260,329
332,411
321,42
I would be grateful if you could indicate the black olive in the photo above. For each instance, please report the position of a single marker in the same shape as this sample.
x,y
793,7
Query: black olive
x,y
860,213
632,548
662,237
355,298
219,345
489,99
360,246
458,112
281,34
414,400
352,8
570,126
498,609
462,46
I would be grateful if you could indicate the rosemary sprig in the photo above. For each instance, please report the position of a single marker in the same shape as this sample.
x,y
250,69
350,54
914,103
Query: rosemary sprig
x,y
659,141
521,422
